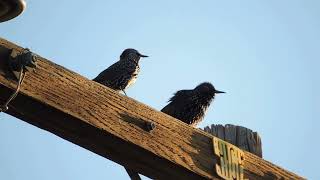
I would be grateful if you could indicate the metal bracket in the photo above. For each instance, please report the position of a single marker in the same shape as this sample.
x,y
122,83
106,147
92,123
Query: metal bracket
x,y
19,65
25,60
231,160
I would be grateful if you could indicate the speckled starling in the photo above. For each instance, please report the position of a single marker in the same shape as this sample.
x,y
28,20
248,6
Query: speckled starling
x,y
122,74
190,106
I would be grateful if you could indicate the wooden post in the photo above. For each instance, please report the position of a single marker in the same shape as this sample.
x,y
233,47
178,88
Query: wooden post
x,y
107,123
239,136
132,174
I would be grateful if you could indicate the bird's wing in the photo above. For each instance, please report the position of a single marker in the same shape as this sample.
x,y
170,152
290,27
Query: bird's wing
x,y
170,109
180,95
178,103
115,75
109,74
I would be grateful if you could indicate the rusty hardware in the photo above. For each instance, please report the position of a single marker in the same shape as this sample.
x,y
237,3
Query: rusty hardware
x,y
149,126
230,160
26,61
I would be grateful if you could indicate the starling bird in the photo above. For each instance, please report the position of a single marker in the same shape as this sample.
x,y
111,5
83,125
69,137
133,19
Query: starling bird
x,y
120,75
190,106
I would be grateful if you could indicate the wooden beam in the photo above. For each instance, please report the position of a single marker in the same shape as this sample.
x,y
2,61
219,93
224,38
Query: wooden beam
x,y
112,125
132,174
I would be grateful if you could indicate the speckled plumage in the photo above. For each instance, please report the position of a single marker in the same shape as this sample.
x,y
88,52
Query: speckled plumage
x,y
122,74
190,106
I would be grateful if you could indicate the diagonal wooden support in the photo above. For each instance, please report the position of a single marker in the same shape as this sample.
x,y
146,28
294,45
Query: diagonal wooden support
x,y
114,126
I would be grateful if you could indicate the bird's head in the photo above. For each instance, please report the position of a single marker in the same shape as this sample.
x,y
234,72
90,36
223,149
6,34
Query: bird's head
x,y
131,54
207,88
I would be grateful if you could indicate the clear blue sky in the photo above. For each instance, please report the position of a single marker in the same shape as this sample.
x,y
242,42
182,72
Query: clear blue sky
x,y
264,54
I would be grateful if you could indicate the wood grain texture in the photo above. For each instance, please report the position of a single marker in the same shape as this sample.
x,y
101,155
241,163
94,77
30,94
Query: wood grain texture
x,y
239,136
112,125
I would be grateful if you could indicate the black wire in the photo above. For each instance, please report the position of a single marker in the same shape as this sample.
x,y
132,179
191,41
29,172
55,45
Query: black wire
x,y
4,107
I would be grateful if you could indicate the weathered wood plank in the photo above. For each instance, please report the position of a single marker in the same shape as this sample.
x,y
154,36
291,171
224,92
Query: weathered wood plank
x,y
239,136
109,124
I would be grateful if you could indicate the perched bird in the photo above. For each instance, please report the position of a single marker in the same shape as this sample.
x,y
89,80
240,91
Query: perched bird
x,y
190,106
120,75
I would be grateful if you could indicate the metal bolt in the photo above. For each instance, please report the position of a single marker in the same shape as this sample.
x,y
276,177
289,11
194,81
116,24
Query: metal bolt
x,y
150,126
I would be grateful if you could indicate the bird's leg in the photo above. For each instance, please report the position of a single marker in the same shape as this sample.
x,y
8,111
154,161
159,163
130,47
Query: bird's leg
x,y
124,92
